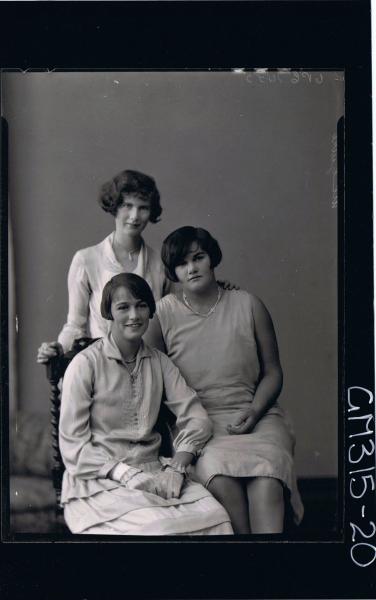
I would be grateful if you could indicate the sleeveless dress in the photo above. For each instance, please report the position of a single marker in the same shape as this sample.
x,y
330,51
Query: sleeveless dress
x,y
217,356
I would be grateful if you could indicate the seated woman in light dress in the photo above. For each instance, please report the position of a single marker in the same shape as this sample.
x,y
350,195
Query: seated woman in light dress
x,y
115,482
224,344
133,199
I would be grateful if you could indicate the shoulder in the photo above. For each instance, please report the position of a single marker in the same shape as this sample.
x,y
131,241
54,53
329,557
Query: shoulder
x,y
260,315
167,303
240,297
152,252
155,355
87,358
153,256
161,358
167,300
85,255
246,303
167,309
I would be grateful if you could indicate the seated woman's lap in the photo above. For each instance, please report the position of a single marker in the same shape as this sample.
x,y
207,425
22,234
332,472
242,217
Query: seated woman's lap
x,y
200,516
272,427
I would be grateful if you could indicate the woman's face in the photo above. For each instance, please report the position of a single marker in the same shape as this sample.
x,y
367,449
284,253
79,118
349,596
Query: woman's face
x,y
130,314
132,216
194,271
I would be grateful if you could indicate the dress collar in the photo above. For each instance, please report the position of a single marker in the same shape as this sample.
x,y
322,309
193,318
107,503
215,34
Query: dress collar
x,y
112,351
113,265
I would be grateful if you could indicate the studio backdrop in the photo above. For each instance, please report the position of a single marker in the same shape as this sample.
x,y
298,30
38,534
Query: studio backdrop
x,y
252,157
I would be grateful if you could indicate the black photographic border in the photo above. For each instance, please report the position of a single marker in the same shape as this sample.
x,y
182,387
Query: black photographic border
x,y
301,35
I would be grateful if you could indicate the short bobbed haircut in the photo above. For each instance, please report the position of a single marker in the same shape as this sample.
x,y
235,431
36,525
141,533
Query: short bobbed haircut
x,y
130,183
136,285
177,245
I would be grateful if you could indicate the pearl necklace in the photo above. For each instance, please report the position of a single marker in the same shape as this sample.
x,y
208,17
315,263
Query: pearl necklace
x,y
186,302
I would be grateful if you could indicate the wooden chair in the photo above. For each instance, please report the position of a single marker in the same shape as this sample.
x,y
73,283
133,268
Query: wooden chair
x,y
56,368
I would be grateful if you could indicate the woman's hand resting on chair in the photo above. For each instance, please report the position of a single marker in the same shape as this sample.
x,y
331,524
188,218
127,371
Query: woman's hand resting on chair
x,y
48,350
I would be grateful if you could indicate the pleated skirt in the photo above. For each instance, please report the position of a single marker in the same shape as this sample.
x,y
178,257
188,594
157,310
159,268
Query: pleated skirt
x,y
121,511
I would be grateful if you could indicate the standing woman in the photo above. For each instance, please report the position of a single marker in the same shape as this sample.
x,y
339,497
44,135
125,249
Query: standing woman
x,y
132,198
224,344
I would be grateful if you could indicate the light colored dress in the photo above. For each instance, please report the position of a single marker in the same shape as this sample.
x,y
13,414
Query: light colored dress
x,y
108,417
217,355
90,270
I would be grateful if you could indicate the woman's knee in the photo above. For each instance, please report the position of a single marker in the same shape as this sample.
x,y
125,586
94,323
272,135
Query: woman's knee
x,y
224,487
266,489
231,493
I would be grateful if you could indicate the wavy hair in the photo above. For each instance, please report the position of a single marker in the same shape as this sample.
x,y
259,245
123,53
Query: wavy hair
x,y
130,183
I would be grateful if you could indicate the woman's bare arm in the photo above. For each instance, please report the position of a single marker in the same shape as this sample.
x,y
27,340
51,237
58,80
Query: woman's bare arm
x,y
271,377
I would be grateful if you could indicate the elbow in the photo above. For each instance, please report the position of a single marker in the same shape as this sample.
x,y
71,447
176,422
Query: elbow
x,y
277,375
204,431
204,434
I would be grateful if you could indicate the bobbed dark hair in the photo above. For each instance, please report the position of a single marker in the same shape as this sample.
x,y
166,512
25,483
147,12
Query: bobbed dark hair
x,y
137,286
176,246
130,183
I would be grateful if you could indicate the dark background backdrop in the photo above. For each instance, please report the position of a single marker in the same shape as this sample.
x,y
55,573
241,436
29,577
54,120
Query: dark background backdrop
x,y
251,157
303,34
